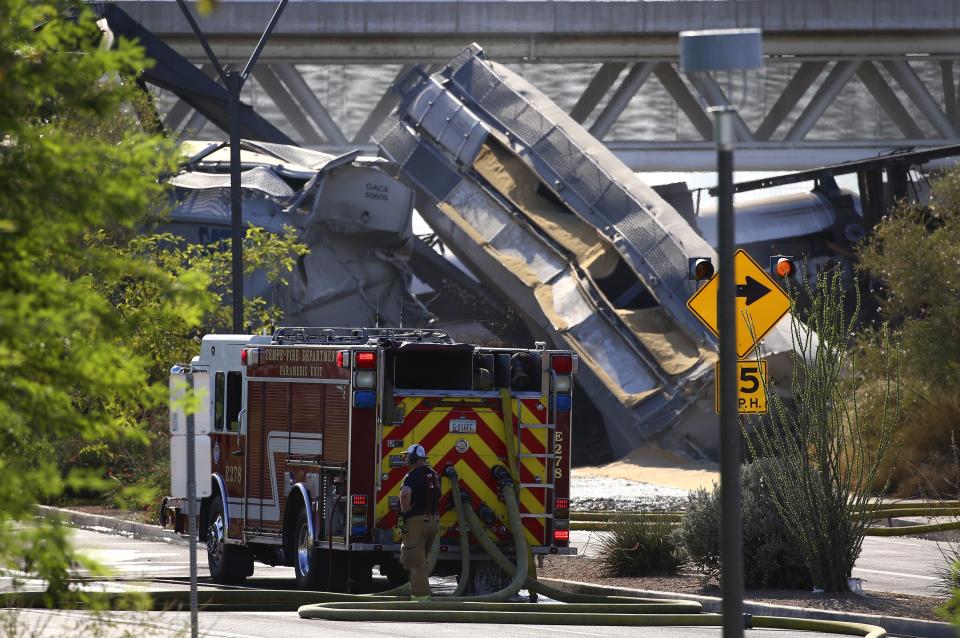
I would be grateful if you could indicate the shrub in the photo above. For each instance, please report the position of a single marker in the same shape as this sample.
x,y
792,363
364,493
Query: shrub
x,y
821,482
770,558
640,546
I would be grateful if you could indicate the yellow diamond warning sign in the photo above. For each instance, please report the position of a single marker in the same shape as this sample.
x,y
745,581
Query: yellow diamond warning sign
x,y
759,300
751,379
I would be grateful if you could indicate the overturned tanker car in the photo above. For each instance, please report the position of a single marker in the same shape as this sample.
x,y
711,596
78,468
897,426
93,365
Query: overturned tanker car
x,y
589,254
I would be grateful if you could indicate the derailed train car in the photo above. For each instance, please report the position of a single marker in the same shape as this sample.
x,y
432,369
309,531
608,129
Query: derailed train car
x,y
588,253
353,216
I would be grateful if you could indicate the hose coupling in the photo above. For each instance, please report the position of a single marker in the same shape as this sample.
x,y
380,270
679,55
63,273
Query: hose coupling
x,y
502,476
487,515
451,472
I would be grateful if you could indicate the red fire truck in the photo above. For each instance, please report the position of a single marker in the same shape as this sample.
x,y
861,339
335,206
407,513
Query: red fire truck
x,y
307,432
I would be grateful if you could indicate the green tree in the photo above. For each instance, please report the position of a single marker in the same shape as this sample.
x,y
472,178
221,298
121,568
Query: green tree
x,y
71,162
91,313
913,256
915,253
165,332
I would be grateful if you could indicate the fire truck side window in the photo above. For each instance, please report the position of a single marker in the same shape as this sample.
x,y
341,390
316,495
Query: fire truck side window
x,y
234,402
218,402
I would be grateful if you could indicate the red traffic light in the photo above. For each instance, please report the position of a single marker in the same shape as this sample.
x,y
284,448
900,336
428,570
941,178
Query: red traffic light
x,y
782,266
699,268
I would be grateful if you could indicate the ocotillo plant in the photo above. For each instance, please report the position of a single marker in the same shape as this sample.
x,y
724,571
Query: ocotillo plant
x,y
821,487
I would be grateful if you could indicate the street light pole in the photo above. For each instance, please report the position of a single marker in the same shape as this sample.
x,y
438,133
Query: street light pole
x,y
731,529
233,81
700,53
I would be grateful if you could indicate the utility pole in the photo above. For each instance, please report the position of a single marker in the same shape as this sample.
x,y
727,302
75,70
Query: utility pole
x,y
700,53
234,81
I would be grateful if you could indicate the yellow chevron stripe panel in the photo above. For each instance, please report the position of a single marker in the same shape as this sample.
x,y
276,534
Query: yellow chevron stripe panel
x,y
431,418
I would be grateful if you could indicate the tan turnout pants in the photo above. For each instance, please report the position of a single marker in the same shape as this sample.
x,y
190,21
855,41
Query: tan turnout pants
x,y
417,540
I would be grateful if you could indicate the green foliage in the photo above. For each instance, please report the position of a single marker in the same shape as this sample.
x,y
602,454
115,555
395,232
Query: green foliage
x,y
71,160
164,332
91,316
914,252
913,255
640,546
821,484
770,558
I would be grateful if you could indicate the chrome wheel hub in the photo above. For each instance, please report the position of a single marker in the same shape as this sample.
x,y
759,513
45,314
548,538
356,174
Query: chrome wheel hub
x,y
304,545
215,536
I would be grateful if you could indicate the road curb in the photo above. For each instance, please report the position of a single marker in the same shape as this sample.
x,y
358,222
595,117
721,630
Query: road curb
x,y
100,523
894,625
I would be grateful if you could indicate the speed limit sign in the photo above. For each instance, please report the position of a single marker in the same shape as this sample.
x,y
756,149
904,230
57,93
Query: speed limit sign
x,y
751,391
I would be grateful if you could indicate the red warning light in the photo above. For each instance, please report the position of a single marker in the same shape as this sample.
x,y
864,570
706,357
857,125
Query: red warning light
x,y
366,359
785,268
561,363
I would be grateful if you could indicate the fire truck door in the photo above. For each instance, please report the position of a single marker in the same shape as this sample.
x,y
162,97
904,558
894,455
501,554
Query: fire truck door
x,y
268,418
227,440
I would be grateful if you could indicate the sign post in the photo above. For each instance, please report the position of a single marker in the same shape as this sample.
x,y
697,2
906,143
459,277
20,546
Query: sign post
x,y
190,438
192,513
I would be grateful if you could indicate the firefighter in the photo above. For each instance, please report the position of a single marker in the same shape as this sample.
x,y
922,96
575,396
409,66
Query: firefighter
x,y
420,518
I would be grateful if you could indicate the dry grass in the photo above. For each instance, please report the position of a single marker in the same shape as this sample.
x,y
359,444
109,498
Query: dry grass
x,y
927,465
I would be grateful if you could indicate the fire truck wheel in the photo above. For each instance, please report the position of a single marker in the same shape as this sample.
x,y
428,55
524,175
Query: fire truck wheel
x,y
309,563
228,563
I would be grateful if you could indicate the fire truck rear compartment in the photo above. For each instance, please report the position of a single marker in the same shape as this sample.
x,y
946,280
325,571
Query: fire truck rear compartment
x,y
461,367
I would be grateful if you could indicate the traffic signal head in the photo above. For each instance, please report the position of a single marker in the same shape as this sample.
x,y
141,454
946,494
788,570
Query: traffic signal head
x,y
782,266
699,268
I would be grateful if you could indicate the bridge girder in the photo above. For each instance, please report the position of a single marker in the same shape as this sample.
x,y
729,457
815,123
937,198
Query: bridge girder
x,y
897,62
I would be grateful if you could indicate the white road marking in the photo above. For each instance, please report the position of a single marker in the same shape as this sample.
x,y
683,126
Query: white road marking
x,y
563,631
904,542
877,571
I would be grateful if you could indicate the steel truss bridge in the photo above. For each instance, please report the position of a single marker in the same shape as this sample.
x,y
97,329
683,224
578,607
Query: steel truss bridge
x,y
843,80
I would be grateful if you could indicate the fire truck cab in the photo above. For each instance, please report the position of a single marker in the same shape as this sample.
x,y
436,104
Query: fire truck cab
x,y
307,433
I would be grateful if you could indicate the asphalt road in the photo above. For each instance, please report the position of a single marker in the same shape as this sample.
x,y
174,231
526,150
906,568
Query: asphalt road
x,y
272,624
168,565
901,565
